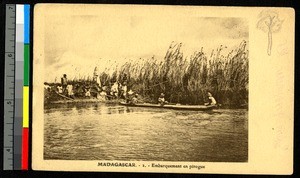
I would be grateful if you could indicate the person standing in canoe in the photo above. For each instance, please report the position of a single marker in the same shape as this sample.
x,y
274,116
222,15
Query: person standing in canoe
x,y
64,82
211,99
161,99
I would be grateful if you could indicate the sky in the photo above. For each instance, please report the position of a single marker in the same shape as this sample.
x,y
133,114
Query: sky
x,y
76,44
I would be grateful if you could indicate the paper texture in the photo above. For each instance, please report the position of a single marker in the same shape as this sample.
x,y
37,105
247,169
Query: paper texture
x,y
252,134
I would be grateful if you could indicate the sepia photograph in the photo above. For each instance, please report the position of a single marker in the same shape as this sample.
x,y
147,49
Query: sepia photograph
x,y
177,92
160,85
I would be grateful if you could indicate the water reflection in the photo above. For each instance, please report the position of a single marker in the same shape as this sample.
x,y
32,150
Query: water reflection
x,y
114,132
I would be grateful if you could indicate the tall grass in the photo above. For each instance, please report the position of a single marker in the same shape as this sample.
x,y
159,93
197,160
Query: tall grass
x,y
187,80
184,79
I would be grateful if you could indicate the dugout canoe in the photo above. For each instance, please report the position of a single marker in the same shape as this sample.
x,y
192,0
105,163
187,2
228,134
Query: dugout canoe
x,y
169,106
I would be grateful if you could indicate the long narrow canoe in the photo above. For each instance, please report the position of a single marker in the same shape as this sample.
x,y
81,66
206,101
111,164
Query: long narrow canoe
x,y
168,106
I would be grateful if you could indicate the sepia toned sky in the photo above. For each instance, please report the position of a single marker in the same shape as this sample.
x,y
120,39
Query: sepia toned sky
x,y
76,44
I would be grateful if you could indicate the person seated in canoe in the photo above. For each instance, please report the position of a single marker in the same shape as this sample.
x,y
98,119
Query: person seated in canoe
x,y
134,100
161,99
129,95
87,92
59,89
114,91
211,99
70,92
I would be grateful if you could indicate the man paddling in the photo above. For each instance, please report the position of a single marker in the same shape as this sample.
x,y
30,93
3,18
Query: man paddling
x,y
211,99
134,100
161,99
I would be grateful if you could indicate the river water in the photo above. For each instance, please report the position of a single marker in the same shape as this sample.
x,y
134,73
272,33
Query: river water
x,y
113,132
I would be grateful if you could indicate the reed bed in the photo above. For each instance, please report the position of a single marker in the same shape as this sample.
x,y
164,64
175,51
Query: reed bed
x,y
184,79
187,80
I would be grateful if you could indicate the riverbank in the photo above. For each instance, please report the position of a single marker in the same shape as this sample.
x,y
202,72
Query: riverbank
x,y
87,100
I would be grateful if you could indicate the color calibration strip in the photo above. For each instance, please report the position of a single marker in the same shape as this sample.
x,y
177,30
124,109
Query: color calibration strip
x,y
25,131
21,88
17,64
19,70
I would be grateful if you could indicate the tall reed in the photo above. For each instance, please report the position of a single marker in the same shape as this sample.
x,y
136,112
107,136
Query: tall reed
x,y
187,80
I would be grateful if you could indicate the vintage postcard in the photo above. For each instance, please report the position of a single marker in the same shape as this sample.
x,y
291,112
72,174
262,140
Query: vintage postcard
x,y
165,89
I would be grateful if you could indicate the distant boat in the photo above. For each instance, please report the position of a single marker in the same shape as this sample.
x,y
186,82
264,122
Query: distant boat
x,y
169,106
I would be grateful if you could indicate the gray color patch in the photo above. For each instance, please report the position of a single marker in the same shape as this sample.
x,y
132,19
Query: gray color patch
x,y
19,89
19,70
18,123
20,33
19,51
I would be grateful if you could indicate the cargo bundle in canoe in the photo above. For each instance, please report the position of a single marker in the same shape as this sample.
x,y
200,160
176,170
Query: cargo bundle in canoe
x,y
169,106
